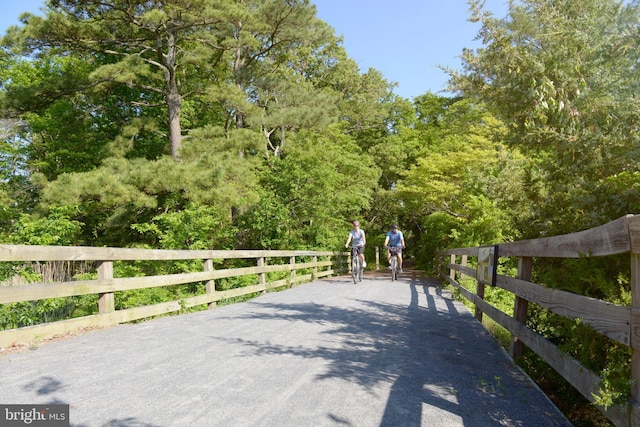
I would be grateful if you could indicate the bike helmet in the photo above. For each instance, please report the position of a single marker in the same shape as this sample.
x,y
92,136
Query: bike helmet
x,y
394,226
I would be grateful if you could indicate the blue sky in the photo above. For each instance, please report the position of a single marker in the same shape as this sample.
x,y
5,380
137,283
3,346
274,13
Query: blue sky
x,y
405,40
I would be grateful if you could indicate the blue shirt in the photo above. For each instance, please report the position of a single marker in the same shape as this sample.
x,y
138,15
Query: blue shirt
x,y
395,239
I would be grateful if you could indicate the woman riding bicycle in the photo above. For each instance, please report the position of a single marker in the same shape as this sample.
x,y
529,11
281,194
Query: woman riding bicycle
x,y
394,239
359,240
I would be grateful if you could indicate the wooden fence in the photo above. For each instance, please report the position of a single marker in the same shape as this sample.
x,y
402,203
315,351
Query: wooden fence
x,y
106,286
614,321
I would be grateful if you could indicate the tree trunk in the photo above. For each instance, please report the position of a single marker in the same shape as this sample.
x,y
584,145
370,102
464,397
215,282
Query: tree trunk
x,y
174,104
173,98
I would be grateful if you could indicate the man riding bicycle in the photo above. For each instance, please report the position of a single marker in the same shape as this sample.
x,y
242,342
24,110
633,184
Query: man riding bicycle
x,y
359,240
395,240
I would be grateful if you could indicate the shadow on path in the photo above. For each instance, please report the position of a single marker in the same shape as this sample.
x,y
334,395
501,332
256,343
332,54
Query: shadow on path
x,y
439,359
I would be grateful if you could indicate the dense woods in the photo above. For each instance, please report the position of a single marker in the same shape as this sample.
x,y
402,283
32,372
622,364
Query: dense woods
x,y
207,124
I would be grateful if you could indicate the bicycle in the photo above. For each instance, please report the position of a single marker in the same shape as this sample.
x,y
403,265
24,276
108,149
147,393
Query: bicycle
x,y
393,261
356,265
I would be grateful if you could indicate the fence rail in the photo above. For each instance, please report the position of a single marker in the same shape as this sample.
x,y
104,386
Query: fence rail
x,y
106,285
617,322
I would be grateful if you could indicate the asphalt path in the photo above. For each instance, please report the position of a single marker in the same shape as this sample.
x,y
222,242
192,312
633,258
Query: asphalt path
x,y
326,353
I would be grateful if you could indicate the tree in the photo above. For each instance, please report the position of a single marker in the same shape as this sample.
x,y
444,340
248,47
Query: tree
x,y
460,173
16,193
323,180
134,43
122,192
170,51
563,76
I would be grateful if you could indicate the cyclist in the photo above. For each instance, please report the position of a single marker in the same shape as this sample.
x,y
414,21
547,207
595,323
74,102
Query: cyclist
x,y
359,240
396,239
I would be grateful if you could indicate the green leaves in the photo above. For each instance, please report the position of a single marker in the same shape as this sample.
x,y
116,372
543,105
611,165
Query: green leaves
x,y
563,76
322,180
57,228
194,227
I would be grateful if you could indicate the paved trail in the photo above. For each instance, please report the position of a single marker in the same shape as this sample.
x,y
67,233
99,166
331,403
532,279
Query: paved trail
x,y
327,353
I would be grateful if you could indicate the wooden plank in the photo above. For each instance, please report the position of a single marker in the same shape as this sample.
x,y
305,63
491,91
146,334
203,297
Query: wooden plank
x,y
619,415
87,253
325,273
634,233
468,294
468,271
176,279
452,261
47,330
635,326
608,319
261,276
607,239
106,300
451,281
38,291
581,378
27,334
520,306
210,285
473,251
634,415
584,380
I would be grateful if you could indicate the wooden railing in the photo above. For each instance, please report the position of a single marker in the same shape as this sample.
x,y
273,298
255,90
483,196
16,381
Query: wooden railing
x,y
106,285
617,322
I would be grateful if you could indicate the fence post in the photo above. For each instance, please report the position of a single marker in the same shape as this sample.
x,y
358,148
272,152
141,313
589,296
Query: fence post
x,y
635,347
315,267
292,263
480,294
261,276
452,272
377,258
106,301
521,306
210,286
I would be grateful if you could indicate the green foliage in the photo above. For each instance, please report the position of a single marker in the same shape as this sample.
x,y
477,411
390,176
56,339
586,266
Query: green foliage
x,y
194,227
602,278
55,229
266,224
123,192
569,97
236,282
461,189
21,314
142,297
322,180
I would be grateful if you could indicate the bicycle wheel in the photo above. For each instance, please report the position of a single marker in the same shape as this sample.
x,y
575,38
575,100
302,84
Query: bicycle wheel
x,y
355,267
360,268
394,268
